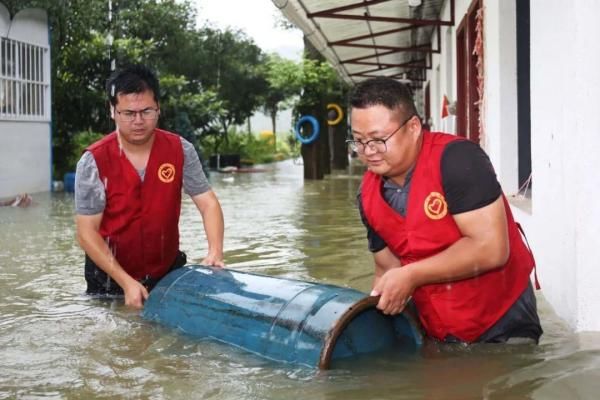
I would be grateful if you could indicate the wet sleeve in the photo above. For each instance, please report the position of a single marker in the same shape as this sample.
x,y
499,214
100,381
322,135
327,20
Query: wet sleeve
x,y
376,243
90,197
468,177
194,179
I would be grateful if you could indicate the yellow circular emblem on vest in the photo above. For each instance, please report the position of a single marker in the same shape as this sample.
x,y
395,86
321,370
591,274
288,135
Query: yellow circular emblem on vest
x,y
435,206
166,172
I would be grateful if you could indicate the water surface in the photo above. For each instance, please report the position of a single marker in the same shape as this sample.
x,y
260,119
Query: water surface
x,y
57,343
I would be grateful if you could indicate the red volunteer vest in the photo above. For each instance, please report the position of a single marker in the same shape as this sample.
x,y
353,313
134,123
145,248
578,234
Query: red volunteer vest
x,y
140,220
465,308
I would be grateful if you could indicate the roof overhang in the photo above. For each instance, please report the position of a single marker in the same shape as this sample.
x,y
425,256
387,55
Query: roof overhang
x,y
369,38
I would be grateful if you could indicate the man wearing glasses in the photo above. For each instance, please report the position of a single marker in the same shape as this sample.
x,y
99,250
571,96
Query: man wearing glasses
x,y
438,225
128,195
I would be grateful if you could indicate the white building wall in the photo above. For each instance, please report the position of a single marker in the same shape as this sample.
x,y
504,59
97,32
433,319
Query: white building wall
x,y
565,99
442,75
562,219
25,162
25,145
31,26
500,65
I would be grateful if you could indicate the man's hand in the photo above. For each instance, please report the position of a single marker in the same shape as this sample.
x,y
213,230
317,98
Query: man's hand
x,y
215,260
135,294
395,288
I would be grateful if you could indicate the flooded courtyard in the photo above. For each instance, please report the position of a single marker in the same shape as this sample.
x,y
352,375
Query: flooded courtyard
x,y
57,343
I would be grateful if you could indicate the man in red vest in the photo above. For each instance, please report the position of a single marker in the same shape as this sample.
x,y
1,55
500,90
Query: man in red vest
x,y
128,195
438,224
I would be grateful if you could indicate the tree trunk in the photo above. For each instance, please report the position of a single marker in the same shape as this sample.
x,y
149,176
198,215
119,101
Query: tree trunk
x,y
340,154
312,154
274,125
325,152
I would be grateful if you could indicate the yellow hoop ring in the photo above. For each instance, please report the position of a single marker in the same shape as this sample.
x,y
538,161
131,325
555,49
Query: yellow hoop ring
x,y
340,114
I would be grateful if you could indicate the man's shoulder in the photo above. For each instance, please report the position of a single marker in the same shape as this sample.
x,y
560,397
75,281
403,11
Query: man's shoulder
x,y
105,141
462,148
173,138
168,134
442,138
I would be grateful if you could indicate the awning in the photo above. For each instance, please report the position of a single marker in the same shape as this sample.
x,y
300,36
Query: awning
x,y
369,38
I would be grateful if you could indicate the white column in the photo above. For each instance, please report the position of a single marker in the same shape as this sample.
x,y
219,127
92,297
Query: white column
x,y
500,69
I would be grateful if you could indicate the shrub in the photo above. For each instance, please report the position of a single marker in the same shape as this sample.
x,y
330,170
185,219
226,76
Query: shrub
x,y
253,149
81,140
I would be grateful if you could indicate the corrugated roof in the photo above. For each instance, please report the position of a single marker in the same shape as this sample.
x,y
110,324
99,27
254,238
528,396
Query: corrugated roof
x,y
369,38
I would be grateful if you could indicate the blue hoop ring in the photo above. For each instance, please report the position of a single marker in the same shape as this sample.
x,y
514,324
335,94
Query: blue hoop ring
x,y
315,129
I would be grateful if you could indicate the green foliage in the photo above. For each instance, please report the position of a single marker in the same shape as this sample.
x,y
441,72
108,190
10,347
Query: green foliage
x,y
252,149
320,84
81,141
284,79
233,71
283,85
211,80
186,112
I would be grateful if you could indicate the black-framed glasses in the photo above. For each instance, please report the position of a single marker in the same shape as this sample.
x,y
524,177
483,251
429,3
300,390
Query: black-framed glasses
x,y
378,145
147,113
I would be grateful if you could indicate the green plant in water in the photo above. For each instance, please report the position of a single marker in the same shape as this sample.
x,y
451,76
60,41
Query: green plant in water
x,y
252,148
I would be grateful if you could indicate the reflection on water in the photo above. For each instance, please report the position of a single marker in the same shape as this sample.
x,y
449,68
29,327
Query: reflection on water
x,y
55,342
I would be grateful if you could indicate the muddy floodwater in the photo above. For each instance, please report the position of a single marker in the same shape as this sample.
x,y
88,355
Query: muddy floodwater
x,y
57,343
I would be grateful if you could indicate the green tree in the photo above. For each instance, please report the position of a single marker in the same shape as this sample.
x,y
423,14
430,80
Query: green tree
x,y
283,84
232,69
320,86
210,79
189,113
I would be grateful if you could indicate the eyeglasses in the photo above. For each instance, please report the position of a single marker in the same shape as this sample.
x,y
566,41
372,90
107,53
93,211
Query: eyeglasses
x,y
129,115
378,145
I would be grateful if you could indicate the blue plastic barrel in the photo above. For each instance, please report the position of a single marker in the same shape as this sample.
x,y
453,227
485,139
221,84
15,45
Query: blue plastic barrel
x,y
69,182
280,319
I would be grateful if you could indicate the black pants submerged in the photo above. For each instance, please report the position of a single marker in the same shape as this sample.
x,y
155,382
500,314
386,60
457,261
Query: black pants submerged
x,y
520,324
98,282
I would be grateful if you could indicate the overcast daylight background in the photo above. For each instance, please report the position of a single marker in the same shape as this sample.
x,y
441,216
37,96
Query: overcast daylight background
x,y
257,18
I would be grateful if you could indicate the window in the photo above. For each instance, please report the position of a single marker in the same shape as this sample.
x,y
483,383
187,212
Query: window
x,y
24,81
524,95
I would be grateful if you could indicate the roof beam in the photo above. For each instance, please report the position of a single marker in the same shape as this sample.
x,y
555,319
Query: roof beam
x,y
417,64
395,49
413,63
366,17
382,33
365,3
335,13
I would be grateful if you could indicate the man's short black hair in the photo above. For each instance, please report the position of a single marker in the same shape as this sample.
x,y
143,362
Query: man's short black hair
x,y
383,91
135,78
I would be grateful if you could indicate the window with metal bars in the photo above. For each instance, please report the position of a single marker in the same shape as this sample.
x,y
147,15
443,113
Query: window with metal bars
x,y
24,81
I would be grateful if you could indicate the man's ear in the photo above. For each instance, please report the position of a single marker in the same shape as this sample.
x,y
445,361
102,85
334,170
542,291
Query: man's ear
x,y
112,112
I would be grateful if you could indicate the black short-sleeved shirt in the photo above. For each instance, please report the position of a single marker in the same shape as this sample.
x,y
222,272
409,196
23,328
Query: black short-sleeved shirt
x,y
468,179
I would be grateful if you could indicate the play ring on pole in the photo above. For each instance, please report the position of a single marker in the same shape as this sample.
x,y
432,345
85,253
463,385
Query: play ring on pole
x,y
315,129
338,110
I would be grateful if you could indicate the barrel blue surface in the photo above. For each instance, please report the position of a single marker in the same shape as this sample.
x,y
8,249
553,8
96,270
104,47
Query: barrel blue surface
x,y
281,319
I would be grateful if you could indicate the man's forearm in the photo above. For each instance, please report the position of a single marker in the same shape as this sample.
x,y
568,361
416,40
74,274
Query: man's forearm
x,y
96,248
212,218
214,228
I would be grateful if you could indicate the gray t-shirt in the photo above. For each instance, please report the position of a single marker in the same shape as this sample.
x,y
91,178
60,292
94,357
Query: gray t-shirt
x,y
90,197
